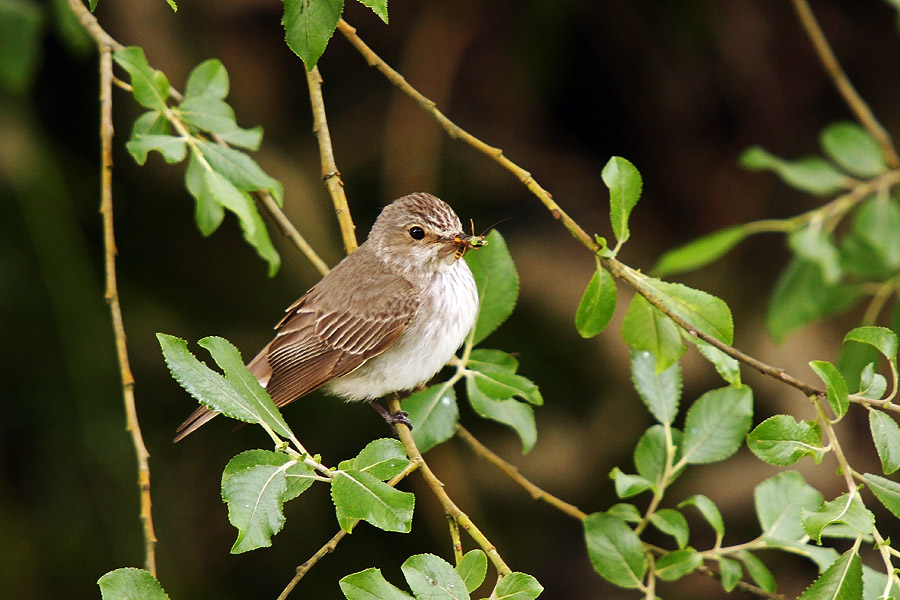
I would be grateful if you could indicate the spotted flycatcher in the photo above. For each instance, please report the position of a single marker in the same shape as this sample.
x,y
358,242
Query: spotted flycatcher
x,y
384,320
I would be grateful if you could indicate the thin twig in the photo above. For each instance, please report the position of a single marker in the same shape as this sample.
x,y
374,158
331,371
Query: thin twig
x,y
115,310
842,82
512,472
330,173
287,228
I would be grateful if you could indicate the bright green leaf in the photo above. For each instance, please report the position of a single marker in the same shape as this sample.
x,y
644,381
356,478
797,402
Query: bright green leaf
x,y
646,329
518,586
758,571
716,424
487,361
361,495
624,183
886,435
597,304
379,7
660,391
208,114
834,384
887,492
731,573
881,338
780,440
498,284
384,458
499,385
812,174
130,584
779,500
149,86
875,227
841,581
434,414
432,578
369,585
700,252
709,510
672,522
241,170
626,512
811,243
628,485
173,149
847,509
872,385
308,26
701,310
853,149
472,568
150,123
615,550
511,412
208,212
650,455
672,566
209,78
728,368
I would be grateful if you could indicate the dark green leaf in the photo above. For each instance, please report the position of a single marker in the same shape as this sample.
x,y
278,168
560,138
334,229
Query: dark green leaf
x,y
716,424
209,78
379,7
208,113
208,212
384,458
834,384
472,568
881,338
309,25
846,509
887,492
597,304
675,565
841,581
241,170
812,174
432,578
672,522
149,86
703,311
780,440
360,495
778,502
615,550
853,149
700,252
646,329
758,571
511,412
886,435
660,391
434,414
173,149
130,584
21,28
628,485
518,586
624,183
709,510
498,284
369,585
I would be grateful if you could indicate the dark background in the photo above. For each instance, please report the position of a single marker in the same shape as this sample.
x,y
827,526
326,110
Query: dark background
x,y
679,88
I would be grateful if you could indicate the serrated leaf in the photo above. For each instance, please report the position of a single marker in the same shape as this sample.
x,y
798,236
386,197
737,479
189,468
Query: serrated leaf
x,y
872,385
472,568
598,303
701,310
731,573
835,386
728,368
379,7
209,78
432,578
716,424
384,458
853,148
434,414
149,86
778,502
709,510
887,492
811,174
823,556
615,551
498,284
628,485
811,243
672,522
360,495
780,440
308,26
650,455
886,435
511,412
672,566
130,584
841,581
660,391
255,485
241,170
518,586
499,385
882,339
758,571
173,149
646,329
487,361
847,509
700,252
624,183
370,584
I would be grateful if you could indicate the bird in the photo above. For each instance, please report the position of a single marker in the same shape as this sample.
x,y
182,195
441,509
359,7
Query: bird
x,y
386,319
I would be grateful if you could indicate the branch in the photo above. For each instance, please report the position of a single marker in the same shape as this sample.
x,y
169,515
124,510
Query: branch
x,y
842,82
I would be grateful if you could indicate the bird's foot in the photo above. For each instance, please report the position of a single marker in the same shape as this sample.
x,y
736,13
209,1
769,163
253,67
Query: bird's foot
x,y
392,418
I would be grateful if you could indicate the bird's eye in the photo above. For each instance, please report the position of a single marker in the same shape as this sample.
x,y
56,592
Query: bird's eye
x,y
416,232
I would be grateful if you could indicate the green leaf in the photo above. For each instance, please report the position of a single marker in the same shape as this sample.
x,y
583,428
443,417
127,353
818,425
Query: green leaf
x,y
628,485
709,510
874,231
882,339
434,414
886,435
472,568
650,455
811,174
173,149
675,565
209,78
432,578
823,556
255,485
731,573
700,252
498,284
511,412
812,244
646,329
660,391
369,585
716,424
499,385
728,368
778,502
208,212
758,571
853,149
487,361
379,7
308,26
780,440
518,586
150,123
703,311
615,551
624,183
875,583
835,386
887,492
130,584
597,304
384,458
626,512
872,385
841,581
241,170
846,508
208,113
672,522
149,86
21,31
361,495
